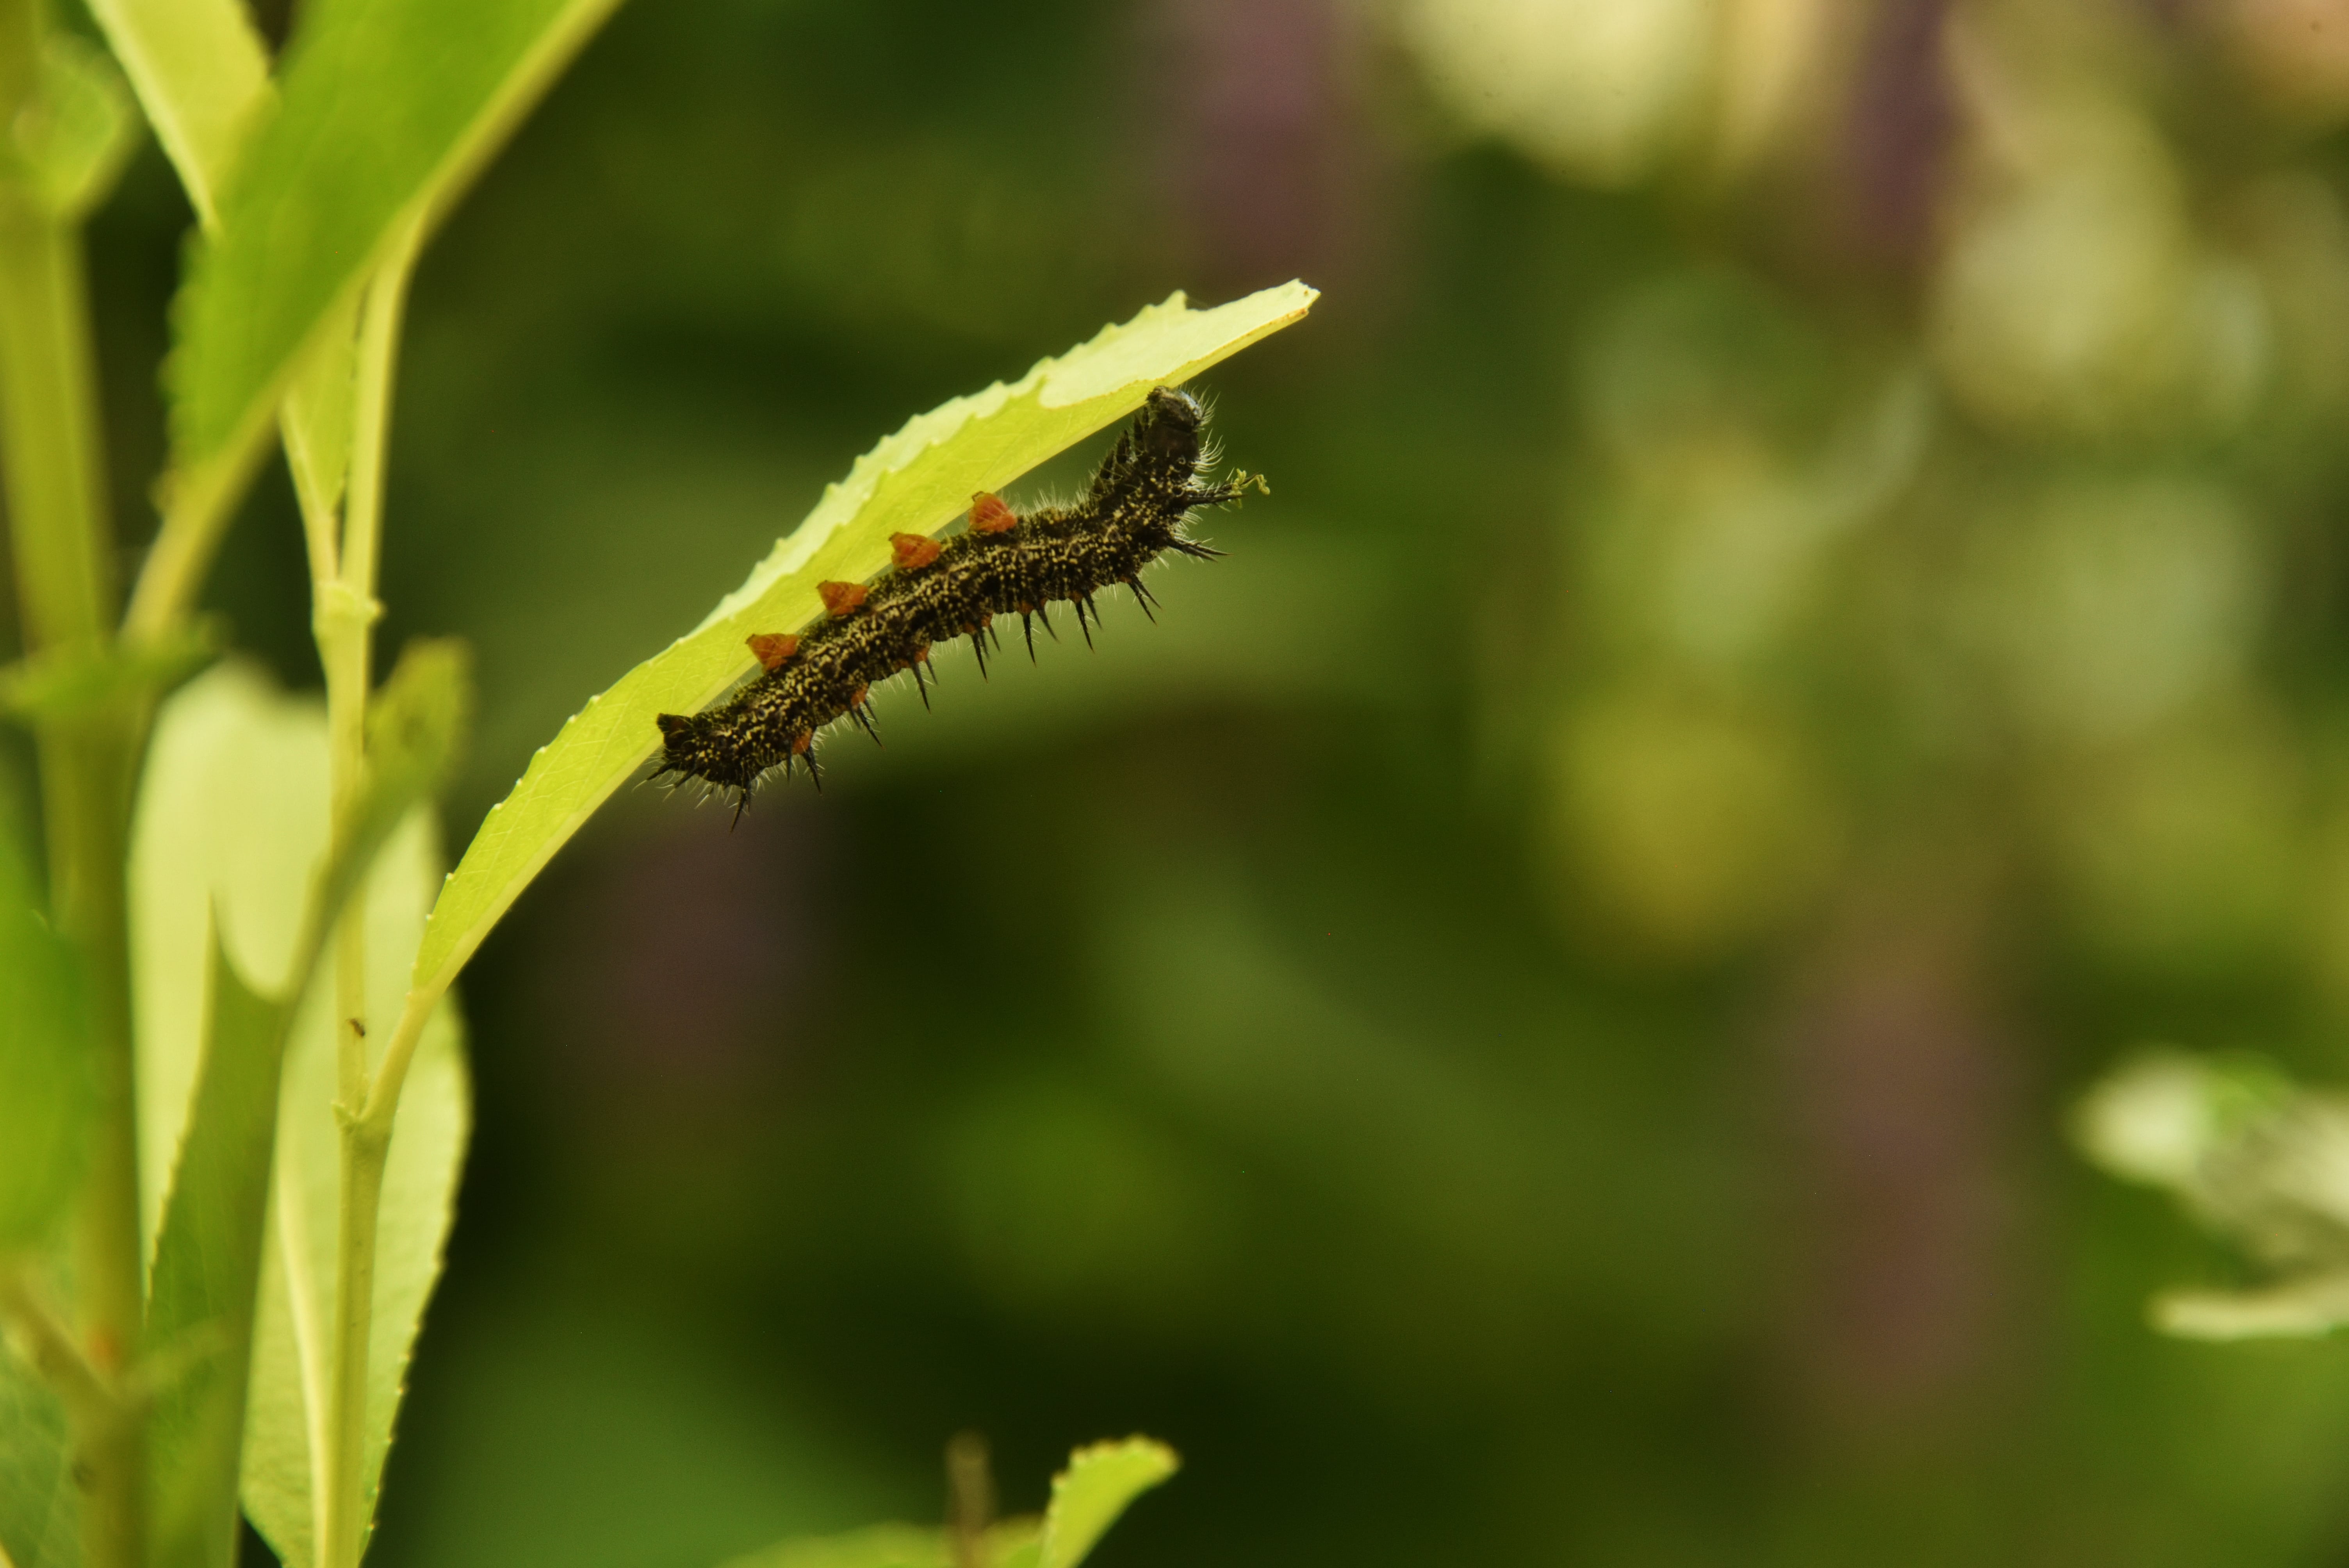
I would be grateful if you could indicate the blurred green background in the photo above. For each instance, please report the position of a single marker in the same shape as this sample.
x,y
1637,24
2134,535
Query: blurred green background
x,y
1529,1020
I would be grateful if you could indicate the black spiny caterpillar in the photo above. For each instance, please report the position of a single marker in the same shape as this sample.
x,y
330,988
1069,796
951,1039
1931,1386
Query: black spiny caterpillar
x,y
1134,512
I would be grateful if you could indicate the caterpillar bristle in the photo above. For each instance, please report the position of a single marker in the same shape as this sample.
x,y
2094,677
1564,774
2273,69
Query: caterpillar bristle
x,y
1133,511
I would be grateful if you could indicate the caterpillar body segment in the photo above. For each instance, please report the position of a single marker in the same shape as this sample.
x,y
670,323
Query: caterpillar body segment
x,y
1135,509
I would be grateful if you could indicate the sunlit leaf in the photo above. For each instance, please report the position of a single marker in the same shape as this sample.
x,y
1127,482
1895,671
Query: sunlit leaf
x,y
916,480
1098,1485
233,812
2253,1158
231,820
289,1360
388,107
2300,1310
202,76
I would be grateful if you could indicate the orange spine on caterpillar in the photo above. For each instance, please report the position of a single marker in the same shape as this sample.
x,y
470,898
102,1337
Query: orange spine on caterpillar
x,y
1135,509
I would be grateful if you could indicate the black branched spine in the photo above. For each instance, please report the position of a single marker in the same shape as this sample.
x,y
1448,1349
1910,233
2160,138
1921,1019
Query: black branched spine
x,y
1135,510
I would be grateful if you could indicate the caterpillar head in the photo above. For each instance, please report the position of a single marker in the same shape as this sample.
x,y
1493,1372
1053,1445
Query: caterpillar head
x,y
1169,424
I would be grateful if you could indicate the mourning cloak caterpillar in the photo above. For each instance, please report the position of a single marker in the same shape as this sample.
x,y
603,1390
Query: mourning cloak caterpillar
x,y
1133,511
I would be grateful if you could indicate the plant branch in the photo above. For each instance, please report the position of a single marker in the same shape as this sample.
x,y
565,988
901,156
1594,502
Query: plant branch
x,y
391,1072
345,613
196,504
63,554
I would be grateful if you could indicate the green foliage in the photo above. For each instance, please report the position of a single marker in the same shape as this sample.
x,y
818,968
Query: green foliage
x,y
207,1265
200,75
234,827
388,107
418,1206
45,1088
1101,1480
2255,1158
76,682
73,141
231,826
413,726
37,1493
286,1238
914,481
208,1257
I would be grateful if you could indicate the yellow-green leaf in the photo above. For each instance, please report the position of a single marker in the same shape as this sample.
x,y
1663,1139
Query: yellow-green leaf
x,y
203,77
233,814
289,1370
1098,1485
915,481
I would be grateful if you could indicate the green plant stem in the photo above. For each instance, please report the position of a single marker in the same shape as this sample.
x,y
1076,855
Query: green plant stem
x,y
60,538
365,1148
196,505
345,614
392,1073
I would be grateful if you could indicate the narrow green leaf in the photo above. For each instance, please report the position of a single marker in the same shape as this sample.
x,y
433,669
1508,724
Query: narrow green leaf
x,y
289,1364
1088,1496
234,814
2301,1308
1101,1479
917,481
47,1093
388,107
203,78
230,831
318,414
207,1274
